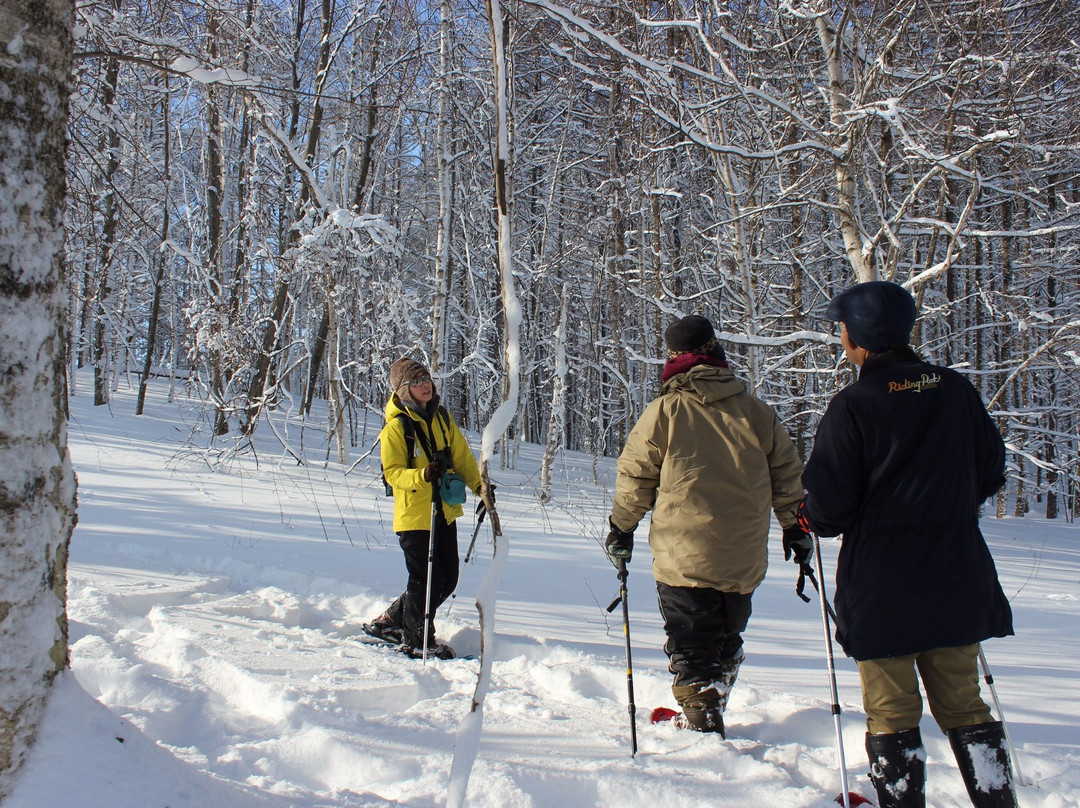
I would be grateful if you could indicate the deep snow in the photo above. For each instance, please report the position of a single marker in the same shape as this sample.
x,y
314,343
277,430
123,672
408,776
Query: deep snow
x,y
214,598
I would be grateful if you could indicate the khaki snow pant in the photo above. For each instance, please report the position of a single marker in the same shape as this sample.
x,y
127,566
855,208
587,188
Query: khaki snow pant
x,y
950,676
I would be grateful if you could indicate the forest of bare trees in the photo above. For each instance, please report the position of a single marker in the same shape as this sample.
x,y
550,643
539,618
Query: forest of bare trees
x,y
271,200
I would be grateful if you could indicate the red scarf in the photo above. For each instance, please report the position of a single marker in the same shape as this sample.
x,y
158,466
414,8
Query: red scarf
x,y
683,363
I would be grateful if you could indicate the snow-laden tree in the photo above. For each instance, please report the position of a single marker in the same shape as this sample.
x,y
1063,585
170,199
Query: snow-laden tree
x,y
743,161
37,486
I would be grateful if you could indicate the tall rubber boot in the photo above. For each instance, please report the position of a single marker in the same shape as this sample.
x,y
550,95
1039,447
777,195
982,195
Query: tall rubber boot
x,y
983,759
898,768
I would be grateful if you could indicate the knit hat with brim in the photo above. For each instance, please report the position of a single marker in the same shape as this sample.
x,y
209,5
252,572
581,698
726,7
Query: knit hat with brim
x,y
402,372
877,314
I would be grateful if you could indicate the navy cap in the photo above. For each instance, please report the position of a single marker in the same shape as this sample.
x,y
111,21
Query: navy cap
x,y
877,314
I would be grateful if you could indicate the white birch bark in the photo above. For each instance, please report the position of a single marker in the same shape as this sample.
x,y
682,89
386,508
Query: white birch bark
x,y
468,740
442,233
846,206
557,421
37,486
336,404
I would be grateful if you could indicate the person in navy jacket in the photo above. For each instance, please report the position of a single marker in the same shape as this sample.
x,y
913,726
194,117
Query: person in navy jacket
x,y
902,460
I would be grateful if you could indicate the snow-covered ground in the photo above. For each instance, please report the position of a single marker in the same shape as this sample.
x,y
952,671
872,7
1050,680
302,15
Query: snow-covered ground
x,y
214,601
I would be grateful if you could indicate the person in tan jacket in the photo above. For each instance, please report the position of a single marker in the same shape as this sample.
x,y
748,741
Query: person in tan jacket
x,y
710,461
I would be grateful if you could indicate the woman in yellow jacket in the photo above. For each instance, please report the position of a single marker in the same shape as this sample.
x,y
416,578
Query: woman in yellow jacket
x,y
438,447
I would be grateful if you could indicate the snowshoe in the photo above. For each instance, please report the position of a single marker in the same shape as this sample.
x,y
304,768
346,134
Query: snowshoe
x,y
383,631
853,799
438,650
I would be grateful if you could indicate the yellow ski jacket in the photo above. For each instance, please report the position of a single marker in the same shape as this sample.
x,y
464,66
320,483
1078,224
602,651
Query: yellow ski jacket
x,y
412,493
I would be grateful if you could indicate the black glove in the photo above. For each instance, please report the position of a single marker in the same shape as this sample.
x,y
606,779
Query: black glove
x,y
481,506
799,543
619,544
434,470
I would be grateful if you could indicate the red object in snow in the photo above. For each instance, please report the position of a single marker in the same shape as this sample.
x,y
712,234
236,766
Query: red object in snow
x,y
662,714
853,799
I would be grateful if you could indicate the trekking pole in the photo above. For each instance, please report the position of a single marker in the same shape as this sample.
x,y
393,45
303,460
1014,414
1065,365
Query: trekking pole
x,y
989,679
631,708
475,533
435,504
468,555
844,798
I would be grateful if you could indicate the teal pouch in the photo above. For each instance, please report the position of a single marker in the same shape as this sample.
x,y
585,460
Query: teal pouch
x,y
452,489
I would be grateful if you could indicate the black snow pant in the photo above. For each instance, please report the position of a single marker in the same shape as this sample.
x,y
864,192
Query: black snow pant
x,y
704,630
444,576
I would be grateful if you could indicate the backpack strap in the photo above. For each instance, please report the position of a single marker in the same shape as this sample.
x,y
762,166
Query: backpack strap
x,y
410,437
443,417
410,447
425,444
411,433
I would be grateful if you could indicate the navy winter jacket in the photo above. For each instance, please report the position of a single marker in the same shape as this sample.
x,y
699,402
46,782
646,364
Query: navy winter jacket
x,y
901,462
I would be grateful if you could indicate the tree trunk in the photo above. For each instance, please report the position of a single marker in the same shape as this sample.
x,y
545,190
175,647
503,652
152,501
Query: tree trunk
x,y
337,400
556,430
846,205
318,352
37,486
160,259
264,361
443,181
110,214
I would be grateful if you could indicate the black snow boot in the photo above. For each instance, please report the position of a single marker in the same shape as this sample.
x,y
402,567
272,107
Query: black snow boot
x,y
898,768
984,762
387,626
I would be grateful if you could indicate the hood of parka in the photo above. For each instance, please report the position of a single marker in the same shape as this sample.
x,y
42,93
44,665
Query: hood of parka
x,y
706,383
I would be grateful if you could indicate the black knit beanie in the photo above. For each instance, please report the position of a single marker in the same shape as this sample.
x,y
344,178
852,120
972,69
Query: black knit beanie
x,y
692,334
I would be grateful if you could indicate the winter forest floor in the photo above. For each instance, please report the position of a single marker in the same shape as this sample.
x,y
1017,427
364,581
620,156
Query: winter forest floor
x,y
215,599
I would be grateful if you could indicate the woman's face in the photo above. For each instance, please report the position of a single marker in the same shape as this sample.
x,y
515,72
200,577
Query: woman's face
x,y
421,388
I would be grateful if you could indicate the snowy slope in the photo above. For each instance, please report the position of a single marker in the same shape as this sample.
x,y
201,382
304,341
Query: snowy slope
x,y
215,599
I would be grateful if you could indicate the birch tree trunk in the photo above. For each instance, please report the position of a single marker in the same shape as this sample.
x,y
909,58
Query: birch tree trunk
x,y
336,404
439,347
844,152
556,430
468,742
37,486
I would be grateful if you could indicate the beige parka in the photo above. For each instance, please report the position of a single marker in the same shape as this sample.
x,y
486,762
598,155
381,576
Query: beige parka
x,y
709,460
